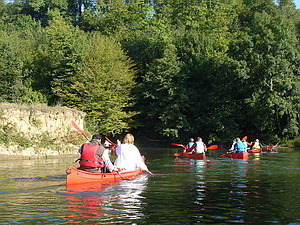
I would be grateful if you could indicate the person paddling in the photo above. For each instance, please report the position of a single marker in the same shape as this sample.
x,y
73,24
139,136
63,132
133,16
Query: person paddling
x,y
128,155
94,157
239,146
189,145
256,145
199,146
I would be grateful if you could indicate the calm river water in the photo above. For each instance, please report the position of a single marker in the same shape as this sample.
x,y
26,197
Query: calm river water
x,y
262,190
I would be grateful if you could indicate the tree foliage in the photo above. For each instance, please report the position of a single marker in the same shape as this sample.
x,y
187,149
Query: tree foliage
x,y
173,69
103,87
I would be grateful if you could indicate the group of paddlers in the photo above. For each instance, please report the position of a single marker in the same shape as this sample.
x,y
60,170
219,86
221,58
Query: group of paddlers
x,y
195,147
239,145
94,156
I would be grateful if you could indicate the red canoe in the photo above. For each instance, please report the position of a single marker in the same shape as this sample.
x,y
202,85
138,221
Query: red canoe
x,y
255,150
191,155
240,155
76,176
194,155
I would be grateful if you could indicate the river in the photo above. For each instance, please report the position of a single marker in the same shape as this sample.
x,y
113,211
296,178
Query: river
x,y
261,190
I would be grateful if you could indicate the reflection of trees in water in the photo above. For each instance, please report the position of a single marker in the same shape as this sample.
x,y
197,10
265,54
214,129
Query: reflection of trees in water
x,y
103,203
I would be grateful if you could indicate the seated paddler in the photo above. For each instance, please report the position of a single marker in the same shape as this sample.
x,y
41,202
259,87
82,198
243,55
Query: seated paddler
x,y
256,144
94,157
128,155
239,146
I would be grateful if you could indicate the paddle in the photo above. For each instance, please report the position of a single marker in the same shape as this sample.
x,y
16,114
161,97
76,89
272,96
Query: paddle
x,y
271,147
155,174
79,130
213,147
123,178
178,154
210,147
244,138
114,144
179,145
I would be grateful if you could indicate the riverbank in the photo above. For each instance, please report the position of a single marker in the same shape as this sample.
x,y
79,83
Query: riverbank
x,y
37,151
39,130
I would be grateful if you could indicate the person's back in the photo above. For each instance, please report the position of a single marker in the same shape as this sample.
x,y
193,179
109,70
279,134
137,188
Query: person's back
x,y
190,145
93,156
128,155
239,146
200,146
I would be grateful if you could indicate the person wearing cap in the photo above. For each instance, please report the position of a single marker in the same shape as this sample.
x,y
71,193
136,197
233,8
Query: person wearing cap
x,y
128,155
94,157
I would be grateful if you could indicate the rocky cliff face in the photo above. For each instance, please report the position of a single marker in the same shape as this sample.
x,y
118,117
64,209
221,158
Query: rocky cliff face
x,y
25,129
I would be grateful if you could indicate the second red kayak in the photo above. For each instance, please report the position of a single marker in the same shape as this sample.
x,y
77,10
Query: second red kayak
x,y
240,155
255,150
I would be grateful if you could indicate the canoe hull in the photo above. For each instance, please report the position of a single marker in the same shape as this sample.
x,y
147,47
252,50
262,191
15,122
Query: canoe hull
x,y
240,155
194,155
255,150
76,176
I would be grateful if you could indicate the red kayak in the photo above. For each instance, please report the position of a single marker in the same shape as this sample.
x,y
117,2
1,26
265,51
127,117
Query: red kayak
x,y
76,176
191,155
255,150
240,155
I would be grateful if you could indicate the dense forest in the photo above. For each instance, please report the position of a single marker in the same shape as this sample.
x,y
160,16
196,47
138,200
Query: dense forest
x,y
163,69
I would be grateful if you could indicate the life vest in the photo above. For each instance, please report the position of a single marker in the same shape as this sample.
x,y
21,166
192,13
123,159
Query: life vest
x,y
88,156
190,145
256,145
199,147
239,147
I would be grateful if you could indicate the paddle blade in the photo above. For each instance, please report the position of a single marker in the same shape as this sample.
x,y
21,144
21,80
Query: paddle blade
x,y
244,138
155,174
224,155
179,145
213,147
269,147
178,154
79,130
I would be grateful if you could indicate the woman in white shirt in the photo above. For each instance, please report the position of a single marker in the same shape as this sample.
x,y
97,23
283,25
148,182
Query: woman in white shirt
x,y
128,156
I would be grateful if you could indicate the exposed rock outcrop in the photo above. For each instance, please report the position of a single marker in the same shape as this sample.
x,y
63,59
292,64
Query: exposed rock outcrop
x,y
38,130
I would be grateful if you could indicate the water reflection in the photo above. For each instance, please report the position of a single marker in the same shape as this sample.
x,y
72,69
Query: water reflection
x,y
216,191
107,203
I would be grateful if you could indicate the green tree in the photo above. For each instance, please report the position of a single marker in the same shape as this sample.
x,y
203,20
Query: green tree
x,y
268,47
178,55
58,59
103,87
288,9
17,41
115,17
39,9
